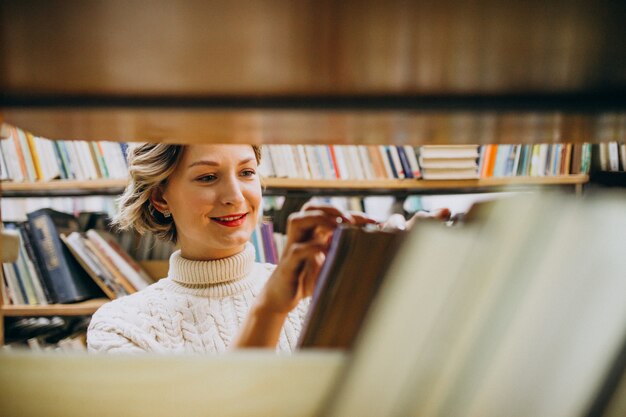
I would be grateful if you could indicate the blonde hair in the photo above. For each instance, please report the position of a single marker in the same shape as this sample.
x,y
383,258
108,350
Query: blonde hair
x,y
150,165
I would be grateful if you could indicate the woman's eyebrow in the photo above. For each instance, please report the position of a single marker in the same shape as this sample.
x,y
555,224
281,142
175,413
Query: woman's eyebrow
x,y
203,162
216,164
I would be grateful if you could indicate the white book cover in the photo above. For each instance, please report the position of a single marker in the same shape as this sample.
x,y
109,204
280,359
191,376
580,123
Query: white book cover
x,y
266,168
449,174
304,164
326,163
280,168
314,162
448,163
354,160
340,157
76,160
11,159
412,157
622,152
449,151
543,156
395,158
47,159
121,160
92,164
366,162
4,172
383,153
613,156
295,170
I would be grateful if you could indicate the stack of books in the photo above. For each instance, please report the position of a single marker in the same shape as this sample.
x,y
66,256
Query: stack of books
x,y
450,162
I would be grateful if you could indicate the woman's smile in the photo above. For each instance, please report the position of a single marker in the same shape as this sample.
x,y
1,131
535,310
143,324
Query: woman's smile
x,y
234,220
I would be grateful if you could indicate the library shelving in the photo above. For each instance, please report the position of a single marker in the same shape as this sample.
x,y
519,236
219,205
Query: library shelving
x,y
285,185
156,269
293,72
273,186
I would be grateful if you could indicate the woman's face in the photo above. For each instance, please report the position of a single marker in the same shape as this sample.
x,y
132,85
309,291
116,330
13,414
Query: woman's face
x,y
214,196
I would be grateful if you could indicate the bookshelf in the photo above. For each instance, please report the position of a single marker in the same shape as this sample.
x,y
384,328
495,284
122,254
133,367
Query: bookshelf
x,y
156,269
319,77
284,185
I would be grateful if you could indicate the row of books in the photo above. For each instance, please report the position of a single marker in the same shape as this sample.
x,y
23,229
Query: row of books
x,y
57,263
61,334
94,212
534,160
612,156
29,158
361,162
25,157
345,162
268,244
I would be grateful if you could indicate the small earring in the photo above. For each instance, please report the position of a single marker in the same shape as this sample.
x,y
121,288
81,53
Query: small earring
x,y
166,213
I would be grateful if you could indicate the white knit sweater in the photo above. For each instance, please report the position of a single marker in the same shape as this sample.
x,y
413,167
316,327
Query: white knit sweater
x,y
198,308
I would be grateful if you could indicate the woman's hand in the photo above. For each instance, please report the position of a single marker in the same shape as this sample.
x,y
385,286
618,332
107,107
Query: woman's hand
x,y
397,221
308,238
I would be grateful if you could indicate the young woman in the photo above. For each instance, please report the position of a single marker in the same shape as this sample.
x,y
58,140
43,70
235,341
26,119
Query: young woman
x,y
207,198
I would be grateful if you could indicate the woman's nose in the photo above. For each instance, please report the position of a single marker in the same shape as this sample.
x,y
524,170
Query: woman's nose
x,y
231,192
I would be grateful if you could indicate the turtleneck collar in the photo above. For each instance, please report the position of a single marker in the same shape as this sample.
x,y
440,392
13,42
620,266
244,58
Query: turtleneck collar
x,y
211,273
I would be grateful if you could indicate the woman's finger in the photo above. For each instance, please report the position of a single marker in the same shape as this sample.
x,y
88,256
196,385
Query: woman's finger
x,y
442,214
361,218
330,210
299,252
301,225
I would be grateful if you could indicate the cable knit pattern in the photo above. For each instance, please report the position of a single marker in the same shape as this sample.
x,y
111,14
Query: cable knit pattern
x,y
197,308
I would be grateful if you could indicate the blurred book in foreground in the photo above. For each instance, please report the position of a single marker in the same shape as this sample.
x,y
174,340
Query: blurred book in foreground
x,y
519,313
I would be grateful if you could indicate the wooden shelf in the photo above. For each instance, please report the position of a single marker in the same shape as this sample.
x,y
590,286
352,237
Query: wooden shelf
x,y
62,188
301,72
279,185
411,184
77,309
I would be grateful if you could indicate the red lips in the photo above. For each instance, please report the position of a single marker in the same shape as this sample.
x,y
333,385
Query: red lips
x,y
233,220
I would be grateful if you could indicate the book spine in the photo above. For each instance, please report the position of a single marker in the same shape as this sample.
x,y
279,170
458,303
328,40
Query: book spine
x,y
412,157
35,157
37,261
28,157
585,163
15,287
267,243
392,165
32,268
66,286
404,162
333,159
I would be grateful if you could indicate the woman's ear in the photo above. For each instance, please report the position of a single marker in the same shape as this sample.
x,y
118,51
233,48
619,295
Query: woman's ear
x,y
157,199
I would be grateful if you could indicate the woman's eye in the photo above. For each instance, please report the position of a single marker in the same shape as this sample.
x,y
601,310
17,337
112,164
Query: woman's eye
x,y
248,173
206,178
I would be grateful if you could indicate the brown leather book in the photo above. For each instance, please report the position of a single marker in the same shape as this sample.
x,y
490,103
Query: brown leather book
x,y
353,272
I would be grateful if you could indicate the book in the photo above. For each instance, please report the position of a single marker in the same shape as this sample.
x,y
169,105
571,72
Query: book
x,y
128,269
526,318
65,278
90,262
449,151
350,278
449,173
